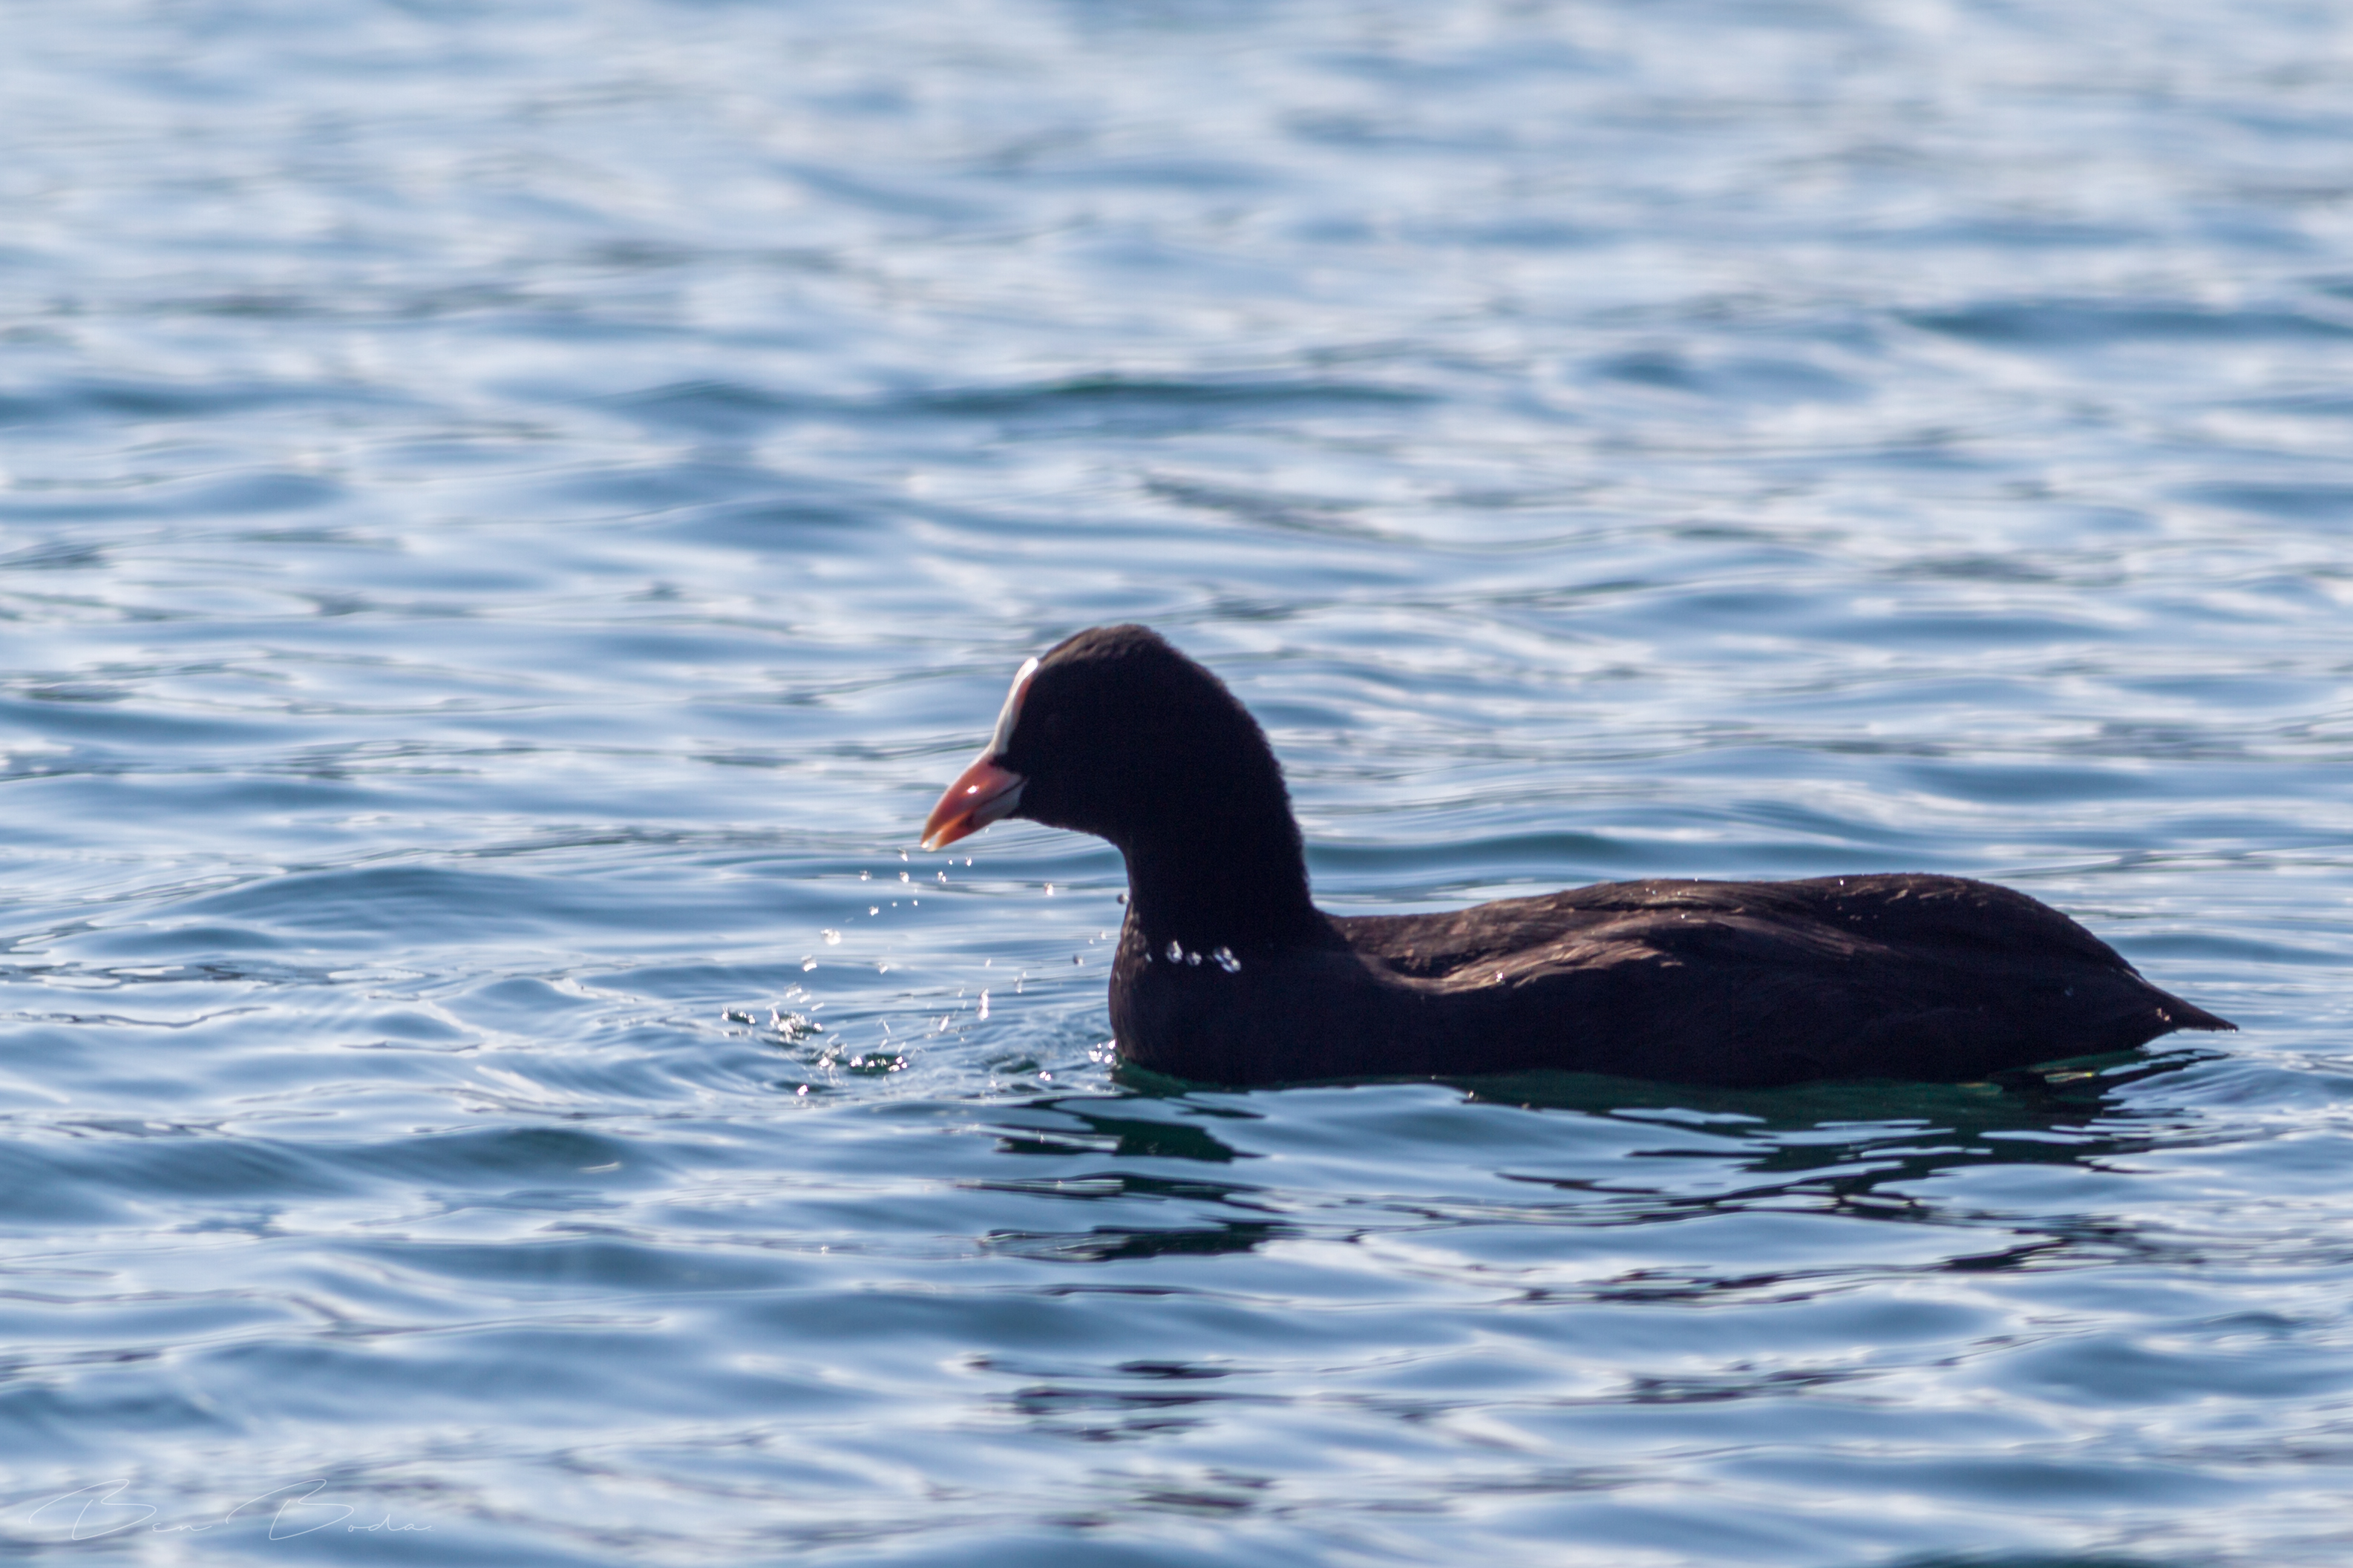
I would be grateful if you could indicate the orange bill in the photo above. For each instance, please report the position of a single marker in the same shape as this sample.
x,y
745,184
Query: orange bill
x,y
981,793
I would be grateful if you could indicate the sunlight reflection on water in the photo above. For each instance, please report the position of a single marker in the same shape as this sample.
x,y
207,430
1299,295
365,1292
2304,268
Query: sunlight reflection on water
x,y
512,517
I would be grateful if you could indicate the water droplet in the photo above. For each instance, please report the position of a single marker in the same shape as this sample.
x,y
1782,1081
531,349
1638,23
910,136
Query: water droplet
x,y
983,1005
1194,959
903,876
1076,958
866,876
833,939
1227,961
873,908
807,965
1176,952
1050,889
944,878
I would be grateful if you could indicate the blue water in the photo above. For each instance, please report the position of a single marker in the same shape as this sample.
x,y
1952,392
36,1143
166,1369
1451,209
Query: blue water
x,y
512,511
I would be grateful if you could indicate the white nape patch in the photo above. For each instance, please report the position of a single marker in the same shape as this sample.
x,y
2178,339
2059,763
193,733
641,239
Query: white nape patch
x,y
1011,713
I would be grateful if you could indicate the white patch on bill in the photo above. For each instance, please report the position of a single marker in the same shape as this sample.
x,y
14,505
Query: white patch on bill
x,y
1011,713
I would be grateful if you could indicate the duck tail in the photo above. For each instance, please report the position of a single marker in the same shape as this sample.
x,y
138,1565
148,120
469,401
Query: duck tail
x,y
2179,1014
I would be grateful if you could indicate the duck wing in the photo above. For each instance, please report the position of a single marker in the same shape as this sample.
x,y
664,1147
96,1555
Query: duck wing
x,y
1762,983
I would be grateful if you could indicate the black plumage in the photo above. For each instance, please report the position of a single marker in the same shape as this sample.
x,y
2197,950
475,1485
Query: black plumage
x,y
1227,971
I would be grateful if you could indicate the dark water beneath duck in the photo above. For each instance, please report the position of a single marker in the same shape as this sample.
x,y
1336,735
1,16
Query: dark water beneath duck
x,y
512,511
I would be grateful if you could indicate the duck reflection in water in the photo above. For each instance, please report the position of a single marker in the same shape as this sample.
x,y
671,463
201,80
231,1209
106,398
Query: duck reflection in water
x,y
1865,1151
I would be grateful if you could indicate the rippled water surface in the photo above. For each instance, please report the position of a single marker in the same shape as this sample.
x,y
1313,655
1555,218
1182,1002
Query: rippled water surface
x,y
512,512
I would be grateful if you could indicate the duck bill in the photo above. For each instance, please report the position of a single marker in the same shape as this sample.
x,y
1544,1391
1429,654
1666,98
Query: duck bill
x,y
981,793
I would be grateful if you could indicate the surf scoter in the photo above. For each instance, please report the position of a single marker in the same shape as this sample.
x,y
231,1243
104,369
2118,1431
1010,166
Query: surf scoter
x,y
1227,973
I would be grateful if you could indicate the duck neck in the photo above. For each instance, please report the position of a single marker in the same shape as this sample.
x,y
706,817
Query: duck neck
x,y
1244,887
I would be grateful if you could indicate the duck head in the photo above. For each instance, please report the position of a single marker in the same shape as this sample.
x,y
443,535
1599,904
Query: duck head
x,y
1115,733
